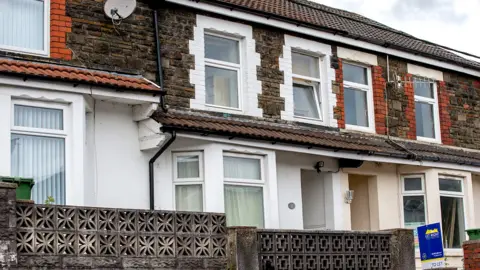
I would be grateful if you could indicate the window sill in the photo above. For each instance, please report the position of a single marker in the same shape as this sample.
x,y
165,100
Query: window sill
x,y
430,140
19,50
315,121
360,128
215,108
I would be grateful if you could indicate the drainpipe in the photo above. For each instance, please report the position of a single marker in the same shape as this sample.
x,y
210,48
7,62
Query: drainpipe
x,y
151,174
159,61
173,135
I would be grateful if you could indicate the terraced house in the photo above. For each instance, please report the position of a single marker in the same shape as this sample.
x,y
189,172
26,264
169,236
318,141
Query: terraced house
x,y
280,113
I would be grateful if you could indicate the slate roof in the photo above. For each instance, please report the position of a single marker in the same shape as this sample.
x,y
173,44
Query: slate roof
x,y
347,24
330,139
75,74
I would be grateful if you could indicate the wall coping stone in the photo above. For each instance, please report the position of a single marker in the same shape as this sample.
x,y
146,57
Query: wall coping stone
x,y
8,185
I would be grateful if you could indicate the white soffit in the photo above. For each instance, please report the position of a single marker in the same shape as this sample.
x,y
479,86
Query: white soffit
x,y
357,56
425,72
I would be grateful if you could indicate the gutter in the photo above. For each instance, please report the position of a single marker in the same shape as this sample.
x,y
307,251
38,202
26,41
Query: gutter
x,y
151,173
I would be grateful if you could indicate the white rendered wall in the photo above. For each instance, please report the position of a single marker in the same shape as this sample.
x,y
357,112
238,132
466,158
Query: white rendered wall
x,y
289,166
121,169
313,200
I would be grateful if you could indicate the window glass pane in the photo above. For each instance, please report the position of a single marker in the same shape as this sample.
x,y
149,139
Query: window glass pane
x,y
36,117
189,198
424,119
21,24
450,185
43,159
244,206
423,88
188,167
304,101
356,107
305,65
453,222
222,49
221,87
414,211
412,183
355,74
241,168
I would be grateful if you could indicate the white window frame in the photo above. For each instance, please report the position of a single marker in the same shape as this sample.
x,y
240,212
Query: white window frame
x,y
368,88
188,181
421,192
230,66
453,194
249,85
434,102
250,182
43,132
46,39
316,91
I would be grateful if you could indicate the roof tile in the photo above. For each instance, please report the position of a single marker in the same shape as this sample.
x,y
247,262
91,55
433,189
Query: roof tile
x,y
76,74
315,137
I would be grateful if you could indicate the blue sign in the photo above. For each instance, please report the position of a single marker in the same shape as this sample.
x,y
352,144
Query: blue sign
x,y
431,246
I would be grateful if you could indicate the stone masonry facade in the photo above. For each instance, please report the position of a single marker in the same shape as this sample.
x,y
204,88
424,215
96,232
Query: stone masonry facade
x,y
81,35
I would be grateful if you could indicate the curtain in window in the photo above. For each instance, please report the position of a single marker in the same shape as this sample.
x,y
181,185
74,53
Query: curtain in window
x,y
35,117
304,100
189,198
414,211
221,87
188,167
244,206
424,119
241,168
43,159
22,24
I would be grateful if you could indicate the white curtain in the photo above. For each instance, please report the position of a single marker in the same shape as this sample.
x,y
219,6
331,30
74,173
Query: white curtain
x,y
43,159
35,117
241,168
188,167
22,23
189,198
244,206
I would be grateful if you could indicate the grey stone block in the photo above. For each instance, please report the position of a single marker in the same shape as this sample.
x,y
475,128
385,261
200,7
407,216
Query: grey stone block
x,y
190,262
136,262
79,262
107,262
163,263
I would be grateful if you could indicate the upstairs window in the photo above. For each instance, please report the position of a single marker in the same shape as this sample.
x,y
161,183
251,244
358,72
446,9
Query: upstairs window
x,y
426,110
24,25
222,71
358,97
306,86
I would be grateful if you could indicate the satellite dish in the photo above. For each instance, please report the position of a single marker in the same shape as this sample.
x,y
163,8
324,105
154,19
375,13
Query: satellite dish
x,y
119,9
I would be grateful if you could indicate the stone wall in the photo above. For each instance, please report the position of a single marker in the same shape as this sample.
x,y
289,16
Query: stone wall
x,y
81,35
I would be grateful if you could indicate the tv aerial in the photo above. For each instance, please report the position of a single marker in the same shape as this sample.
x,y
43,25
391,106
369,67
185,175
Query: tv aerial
x,y
118,10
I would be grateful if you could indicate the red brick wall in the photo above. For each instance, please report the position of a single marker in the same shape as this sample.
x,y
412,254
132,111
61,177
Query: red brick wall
x,y
379,102
339,110
471,255
443,106
60,25
410,109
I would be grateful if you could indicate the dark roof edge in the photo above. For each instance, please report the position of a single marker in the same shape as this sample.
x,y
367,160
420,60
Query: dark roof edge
x,y
233,135
348,35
